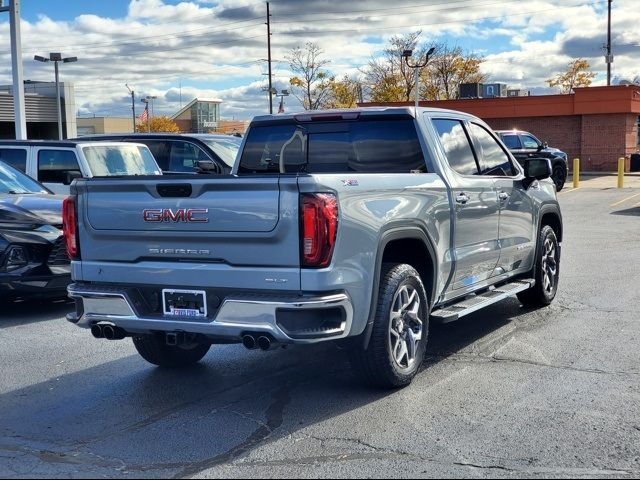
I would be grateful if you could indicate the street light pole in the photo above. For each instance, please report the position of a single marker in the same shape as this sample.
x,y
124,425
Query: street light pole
x,y
55,63
16,65
416,69
56,58
152,98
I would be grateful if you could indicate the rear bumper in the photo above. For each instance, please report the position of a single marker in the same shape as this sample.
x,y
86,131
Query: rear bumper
x,y
238,315
46,285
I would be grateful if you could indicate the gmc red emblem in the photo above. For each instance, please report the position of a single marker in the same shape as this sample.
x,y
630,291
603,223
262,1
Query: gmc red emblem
x,y
185,215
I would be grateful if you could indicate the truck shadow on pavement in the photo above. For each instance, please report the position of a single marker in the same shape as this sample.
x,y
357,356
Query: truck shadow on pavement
x,y
24,311
125,417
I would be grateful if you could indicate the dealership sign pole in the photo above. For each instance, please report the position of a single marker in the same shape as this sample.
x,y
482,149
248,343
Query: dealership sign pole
x,y
16,57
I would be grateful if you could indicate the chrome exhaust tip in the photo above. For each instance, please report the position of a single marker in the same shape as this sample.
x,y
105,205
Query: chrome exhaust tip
x,y
264,343
96,331
249,342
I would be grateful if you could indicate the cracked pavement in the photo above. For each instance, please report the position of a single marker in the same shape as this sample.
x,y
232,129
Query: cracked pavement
x,y
506,392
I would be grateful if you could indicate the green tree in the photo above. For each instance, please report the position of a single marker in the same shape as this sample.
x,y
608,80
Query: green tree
x,y
388,76
450,67
578,74
344,93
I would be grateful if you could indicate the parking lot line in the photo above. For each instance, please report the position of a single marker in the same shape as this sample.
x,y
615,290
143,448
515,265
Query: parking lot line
x,y
569,191
625,200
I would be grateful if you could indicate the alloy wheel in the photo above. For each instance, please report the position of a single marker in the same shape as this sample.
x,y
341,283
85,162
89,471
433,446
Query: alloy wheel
x,y
549,266
405,327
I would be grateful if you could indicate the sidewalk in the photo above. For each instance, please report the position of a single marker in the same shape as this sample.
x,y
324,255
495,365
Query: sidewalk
x,y
603,180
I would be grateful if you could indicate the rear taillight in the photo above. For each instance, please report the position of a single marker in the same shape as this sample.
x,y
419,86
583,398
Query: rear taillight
x,y
319,226
70,227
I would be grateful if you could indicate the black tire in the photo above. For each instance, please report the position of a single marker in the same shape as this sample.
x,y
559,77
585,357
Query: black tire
x,y
559,176
542,294
154,349
376,364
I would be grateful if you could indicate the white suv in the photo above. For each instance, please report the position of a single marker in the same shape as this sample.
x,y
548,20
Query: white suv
x,y
57,163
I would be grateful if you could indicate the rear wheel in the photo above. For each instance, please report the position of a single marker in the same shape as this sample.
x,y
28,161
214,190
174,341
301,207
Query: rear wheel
x,y
546,271
559,176
400,331
154,349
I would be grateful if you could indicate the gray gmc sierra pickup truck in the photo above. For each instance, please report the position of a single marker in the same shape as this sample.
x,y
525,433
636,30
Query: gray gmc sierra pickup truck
x,y
360,225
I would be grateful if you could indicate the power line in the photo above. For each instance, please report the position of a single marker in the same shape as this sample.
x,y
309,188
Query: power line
x,y
169,36
356,30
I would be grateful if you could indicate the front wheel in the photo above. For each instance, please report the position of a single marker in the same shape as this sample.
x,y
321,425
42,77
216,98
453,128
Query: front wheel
x,y
400,330
154,349
559,176
546,271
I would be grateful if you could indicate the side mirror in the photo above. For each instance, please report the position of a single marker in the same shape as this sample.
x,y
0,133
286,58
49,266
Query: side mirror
x,y
70,176
536,169
206,166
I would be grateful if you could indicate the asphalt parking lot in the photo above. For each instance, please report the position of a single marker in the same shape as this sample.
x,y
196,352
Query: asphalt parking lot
x,y
506,392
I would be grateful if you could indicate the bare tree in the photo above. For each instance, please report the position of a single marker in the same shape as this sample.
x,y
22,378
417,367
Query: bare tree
x,y
311,85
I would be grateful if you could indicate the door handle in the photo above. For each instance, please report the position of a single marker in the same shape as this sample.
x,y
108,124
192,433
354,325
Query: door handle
x,y
503,196
462,199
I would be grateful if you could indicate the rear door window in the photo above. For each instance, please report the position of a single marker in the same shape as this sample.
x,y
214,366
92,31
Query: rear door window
x,y
456,145
511,141
54,166
15,157
159,150
374,145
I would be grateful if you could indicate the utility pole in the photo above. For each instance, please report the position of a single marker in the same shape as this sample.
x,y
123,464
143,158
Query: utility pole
x,y
269,60
609,54
133,106
16,62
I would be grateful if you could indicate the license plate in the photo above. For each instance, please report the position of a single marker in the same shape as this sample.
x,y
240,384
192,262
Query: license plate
x,y
185,303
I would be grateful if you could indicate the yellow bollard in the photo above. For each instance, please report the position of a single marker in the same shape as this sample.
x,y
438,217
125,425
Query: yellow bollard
x,y
576,173
621,172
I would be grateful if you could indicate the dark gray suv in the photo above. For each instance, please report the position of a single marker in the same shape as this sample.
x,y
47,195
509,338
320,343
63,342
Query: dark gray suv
x,y
525,145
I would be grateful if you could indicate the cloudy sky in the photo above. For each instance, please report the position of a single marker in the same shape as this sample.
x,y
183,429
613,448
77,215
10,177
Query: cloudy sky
x,y
179,50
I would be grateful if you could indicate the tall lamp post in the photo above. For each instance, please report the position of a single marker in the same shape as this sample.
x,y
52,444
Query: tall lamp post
x,y
151,98
56,58
416,69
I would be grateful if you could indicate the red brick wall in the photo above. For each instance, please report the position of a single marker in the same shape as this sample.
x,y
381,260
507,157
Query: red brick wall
x,y
563,133
184,125
598,140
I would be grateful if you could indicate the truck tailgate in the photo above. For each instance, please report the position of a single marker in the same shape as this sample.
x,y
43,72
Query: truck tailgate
x,y
189,226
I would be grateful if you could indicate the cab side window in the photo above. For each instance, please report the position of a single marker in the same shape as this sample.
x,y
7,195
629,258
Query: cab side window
x,y
15,157
457,146
494,160
184,156
54,166
529,142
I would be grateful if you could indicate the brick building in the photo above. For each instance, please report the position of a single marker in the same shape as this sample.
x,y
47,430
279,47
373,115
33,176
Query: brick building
x,y
596,124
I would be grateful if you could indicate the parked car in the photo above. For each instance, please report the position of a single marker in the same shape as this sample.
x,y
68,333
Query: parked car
x,y
525,145
362,225
56,164
185,153
33,255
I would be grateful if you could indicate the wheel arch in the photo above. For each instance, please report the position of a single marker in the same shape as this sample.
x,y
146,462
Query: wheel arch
x,y
410,245
550,215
